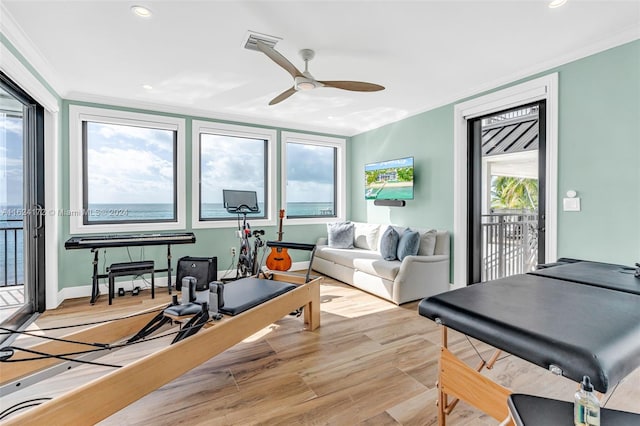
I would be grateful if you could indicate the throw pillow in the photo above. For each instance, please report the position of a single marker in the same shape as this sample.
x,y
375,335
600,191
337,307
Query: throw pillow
x,y
340,234
389,244
408,244
365,235
427,243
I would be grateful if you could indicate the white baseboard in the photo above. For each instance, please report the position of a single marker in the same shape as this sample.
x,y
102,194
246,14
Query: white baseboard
x,y
128,285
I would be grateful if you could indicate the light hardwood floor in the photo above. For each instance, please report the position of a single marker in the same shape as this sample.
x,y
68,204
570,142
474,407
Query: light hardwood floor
x,y
370,362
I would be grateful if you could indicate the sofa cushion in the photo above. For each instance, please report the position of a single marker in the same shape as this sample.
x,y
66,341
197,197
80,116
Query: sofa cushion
x,y
340,234
408,244
345,257
387,269
427,243
365,235
389,244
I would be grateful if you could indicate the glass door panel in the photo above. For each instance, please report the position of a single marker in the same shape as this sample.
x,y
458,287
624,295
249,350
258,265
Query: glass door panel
x,y
21,205
507,192
12,207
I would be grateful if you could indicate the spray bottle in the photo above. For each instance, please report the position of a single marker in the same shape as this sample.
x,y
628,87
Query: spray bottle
x,y
586,408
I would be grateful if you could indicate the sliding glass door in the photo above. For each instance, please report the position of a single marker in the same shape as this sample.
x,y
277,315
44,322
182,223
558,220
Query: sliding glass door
x,y
22,285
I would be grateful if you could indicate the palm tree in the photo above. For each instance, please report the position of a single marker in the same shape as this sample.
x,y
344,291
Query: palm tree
x,y
514,193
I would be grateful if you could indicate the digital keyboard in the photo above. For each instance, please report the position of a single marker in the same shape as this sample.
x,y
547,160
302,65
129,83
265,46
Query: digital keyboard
x,y
95,242
129,240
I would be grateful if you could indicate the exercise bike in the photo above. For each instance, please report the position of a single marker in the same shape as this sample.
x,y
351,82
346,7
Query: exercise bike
x,y
242,203
248,263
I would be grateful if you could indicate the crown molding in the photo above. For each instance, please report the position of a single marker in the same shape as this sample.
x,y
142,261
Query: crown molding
x,y
23,77
27,48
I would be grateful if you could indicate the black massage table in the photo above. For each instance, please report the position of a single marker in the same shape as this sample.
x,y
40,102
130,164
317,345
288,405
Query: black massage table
x,y
575,318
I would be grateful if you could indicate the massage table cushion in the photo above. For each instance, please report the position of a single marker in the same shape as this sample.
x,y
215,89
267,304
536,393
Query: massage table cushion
x,y
582,329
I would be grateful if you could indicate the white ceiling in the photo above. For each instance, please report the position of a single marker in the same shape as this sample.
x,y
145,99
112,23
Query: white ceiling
x,y
426,53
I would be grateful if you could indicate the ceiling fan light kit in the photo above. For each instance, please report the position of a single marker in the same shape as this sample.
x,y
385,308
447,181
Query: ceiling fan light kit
x,y
303,83
304,80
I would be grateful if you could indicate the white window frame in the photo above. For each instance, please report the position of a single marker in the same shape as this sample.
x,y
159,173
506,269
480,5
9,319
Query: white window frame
x,y
77,115
543,88
341,172
269,135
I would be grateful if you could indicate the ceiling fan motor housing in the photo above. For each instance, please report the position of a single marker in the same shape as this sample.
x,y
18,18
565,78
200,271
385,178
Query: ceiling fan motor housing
x,y
304,83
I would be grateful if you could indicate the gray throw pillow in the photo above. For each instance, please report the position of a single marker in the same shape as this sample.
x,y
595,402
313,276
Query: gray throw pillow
x,y
389,244
408,244
340,234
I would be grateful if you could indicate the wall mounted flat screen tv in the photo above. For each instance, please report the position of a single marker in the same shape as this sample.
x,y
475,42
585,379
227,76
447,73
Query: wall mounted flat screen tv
x,y
389,180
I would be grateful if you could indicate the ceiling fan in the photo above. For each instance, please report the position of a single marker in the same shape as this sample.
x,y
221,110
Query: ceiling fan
x,y
304,80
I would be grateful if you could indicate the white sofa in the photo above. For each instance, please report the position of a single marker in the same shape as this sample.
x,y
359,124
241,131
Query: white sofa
x,y
415,277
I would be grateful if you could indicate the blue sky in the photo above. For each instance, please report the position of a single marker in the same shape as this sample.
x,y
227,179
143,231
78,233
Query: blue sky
x,y
10,161
238,163
310,173
129,164
230,163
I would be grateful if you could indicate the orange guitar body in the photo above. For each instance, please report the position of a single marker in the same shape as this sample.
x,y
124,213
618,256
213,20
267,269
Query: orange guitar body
x,y
279,259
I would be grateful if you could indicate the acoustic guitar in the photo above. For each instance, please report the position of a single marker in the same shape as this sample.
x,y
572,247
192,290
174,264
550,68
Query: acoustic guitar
x,y
279,259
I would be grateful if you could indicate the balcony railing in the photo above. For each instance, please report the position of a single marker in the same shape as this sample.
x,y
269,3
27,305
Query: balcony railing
x,y
509,244
11,249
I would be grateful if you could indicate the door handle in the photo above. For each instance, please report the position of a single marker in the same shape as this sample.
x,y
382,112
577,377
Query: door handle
x,y
39,219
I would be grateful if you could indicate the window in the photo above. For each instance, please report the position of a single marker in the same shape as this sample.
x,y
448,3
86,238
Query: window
x,y
236,158
313,177
127,171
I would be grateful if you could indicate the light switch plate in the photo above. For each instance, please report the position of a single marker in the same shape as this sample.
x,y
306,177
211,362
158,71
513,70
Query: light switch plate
x,y
571,204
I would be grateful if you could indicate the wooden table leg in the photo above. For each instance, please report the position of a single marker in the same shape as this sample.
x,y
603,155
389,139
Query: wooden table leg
x,y
442,397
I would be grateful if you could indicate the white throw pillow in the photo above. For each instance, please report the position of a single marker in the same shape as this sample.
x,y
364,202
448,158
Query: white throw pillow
x,y
366,236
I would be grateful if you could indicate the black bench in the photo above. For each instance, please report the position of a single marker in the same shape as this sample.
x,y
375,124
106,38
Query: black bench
x,y
130,268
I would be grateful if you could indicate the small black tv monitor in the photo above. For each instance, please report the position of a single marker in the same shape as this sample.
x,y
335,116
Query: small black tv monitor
x,y
389,180
240,201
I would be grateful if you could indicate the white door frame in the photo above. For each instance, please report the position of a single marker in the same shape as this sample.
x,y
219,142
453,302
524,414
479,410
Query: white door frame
x,y
543,88
23,77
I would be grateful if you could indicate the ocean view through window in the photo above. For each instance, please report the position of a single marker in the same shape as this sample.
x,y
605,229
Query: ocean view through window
x,y
11,199
231,162
130,173
126,171
313,177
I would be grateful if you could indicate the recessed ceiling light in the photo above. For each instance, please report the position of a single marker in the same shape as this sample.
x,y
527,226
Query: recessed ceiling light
x,y
556,3
141,11
147,86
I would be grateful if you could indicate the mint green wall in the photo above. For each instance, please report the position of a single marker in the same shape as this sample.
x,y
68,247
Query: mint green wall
x,y
75,265
598,151
599,155
427,137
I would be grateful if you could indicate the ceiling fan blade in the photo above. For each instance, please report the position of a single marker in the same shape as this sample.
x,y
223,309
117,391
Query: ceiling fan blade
x,y
279,59
356,86
282,96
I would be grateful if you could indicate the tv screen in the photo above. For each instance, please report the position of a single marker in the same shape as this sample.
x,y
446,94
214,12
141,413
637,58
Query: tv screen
x,y
389,180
